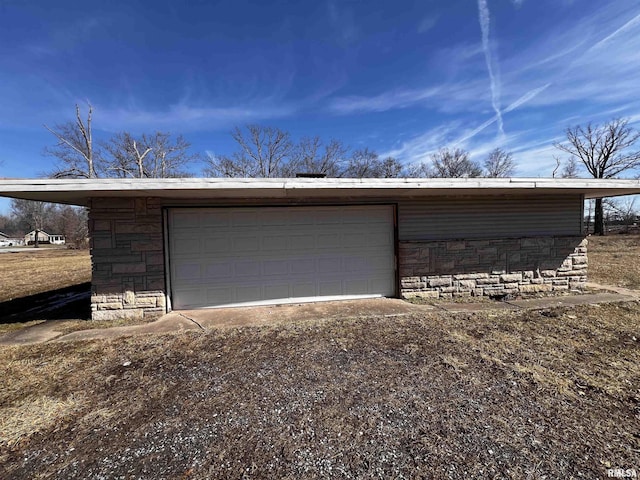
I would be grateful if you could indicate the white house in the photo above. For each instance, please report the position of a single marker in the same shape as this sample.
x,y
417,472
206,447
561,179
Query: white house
x,y
43,237
162,244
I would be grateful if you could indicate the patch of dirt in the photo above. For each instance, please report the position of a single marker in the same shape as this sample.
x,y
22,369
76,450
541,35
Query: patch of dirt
x,y
551,394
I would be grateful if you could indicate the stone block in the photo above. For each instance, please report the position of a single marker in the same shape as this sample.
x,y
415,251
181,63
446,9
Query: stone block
x,y
488,281
527,274
444,281
427,294
511,277
579,259
122,227
146,246
139,267
128,297
535,288
109,306
462,293
100,243
470,276
101,225
411,282
548,273
448,289
467,284
132,314
456,246
145,302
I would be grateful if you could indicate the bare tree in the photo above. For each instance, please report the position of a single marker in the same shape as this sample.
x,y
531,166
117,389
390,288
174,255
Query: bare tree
x,y
570,169
72,222
148,156
264,153
311,155
126,156
454,163
31,215
365,163
169,158
604,151
499,164
75,149
621,210
390,167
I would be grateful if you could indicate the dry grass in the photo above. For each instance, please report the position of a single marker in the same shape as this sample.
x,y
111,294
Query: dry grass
x,y
549,394
615,260
34,271
513,395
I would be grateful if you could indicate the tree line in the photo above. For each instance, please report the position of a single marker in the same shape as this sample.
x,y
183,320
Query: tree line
x,y
262,152
602,151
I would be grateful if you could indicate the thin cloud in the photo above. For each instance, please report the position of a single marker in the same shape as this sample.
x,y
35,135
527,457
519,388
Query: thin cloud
x,y
184,118
484,17
383,102
427,23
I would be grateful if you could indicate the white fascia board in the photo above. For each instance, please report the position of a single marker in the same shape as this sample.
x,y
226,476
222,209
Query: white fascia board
x,y
79,191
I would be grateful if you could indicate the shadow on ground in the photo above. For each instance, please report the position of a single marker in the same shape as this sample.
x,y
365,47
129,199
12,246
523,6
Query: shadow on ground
x,y
72,302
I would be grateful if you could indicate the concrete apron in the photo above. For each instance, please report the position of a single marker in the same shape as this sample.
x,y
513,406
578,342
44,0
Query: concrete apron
x,y
216,318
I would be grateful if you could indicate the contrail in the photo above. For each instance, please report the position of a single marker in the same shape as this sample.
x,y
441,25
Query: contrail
x,y
527,96
523,99
483,11
630,23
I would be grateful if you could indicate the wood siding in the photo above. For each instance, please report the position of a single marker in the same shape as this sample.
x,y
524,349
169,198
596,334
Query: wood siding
x,y
489,217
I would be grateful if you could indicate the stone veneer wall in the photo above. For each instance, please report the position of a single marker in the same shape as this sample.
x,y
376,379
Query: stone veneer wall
x,y
128,258
494,267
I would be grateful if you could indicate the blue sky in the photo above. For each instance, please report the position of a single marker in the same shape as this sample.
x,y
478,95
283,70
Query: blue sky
x,y
401,77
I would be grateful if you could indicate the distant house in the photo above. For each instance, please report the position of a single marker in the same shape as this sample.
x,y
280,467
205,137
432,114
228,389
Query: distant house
x,y
7,241
183,243
43,237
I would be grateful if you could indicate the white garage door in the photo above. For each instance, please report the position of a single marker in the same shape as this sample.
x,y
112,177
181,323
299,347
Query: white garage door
x,y
245,256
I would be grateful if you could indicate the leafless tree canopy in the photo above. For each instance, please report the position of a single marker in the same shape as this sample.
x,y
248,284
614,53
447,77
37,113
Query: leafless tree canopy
x,y
499,164
365,163
264,152
453,163
571,168
311,155
269,152
605,152
147,156
603,149
74,149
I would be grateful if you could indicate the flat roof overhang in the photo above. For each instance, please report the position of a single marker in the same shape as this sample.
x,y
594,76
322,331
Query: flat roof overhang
x,y
80,191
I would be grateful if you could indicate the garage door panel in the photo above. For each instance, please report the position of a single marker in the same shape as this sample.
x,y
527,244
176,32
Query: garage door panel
x,y
305,290
243,255
245,244
215,245
277,291
217,270
188,271
331,288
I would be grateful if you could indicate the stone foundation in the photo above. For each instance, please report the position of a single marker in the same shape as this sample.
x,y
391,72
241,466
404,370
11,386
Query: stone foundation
x,y
128,258
446,269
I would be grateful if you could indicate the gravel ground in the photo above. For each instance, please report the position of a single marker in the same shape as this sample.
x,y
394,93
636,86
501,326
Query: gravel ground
x,y
550,394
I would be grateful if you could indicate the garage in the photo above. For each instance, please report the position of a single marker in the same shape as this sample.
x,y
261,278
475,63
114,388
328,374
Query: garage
x,y
264,255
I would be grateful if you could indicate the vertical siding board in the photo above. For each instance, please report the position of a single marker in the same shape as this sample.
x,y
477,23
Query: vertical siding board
x,y
441,218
